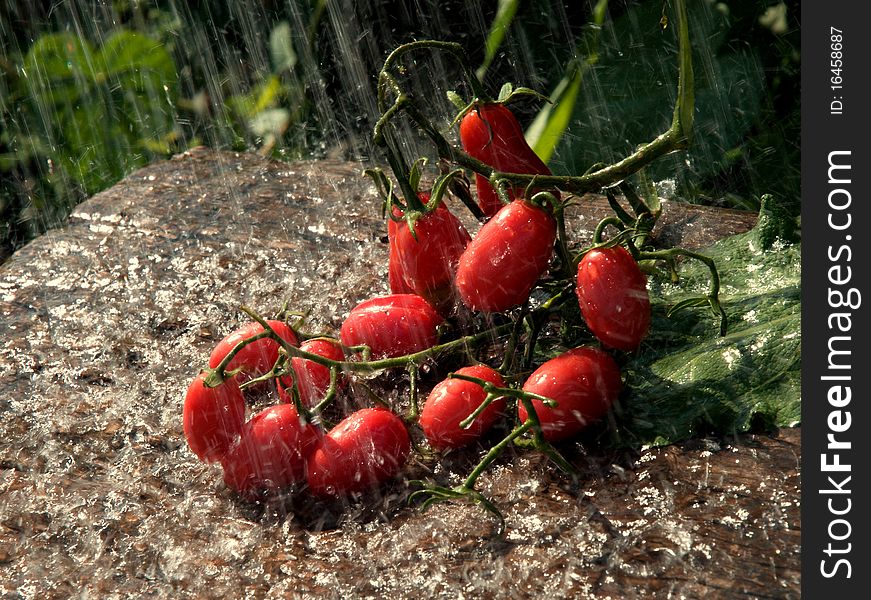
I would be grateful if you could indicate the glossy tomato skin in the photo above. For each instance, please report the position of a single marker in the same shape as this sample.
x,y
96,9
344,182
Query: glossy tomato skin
x,y
491,133
212,417
367,448
453,400
271,453
392,325
488,199
395,270
612,295
511,251
429,260
256,358
313,379
584,382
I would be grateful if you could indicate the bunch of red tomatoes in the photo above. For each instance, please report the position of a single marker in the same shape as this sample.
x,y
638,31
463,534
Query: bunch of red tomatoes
x,y
436,270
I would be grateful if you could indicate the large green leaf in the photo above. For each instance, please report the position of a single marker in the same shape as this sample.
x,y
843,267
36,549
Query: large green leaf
x,y
138,64
143,83
57,68
687,381
99,112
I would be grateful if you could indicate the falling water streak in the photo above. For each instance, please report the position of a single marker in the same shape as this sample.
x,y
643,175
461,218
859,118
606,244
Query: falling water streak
x,y
343,113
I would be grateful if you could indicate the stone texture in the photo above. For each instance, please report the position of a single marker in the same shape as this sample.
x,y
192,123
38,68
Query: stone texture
x,y
106,320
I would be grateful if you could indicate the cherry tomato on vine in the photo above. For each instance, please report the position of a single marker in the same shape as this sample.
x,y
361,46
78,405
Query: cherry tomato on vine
x,y
392,325
312,379
362,451
584,382
453,400
428,259
511,251
212,417
257,358
612,294
491,133
272,452
395,270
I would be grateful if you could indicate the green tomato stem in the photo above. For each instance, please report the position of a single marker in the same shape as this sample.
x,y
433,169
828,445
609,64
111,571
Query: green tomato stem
x,y
332,391
219,373
713,294
493,454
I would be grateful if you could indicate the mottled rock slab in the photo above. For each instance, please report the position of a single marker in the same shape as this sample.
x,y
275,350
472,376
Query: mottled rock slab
x,y
105,321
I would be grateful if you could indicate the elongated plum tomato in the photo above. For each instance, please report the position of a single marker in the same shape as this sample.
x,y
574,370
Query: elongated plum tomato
x,y
429,258
584,382
511,251
212,417
367,448
313,379
395,270
271,453
612,294
257,358
491,133
392,325
453,400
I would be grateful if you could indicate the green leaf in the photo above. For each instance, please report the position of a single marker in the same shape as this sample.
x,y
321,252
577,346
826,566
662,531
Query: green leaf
x,y
97,112
140,77
687,381
261,97
270,122
551,122
281,48
629,98
90,154
501,22
416,173
548,127
57,68
138,64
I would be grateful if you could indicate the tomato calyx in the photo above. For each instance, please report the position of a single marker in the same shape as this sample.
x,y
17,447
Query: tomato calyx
x,y
507,94
217,376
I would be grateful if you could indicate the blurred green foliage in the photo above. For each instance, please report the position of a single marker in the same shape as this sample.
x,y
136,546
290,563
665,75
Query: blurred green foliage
x,y
747,101
615,89
81,110
91,91
96,113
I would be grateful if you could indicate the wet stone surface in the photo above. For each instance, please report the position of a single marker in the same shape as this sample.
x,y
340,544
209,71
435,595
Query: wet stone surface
x,y
106,321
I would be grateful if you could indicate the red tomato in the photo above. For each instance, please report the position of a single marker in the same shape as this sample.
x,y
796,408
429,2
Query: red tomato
x,y
364,450
313,379
612,294
256,358
429,262
584,382
271,453
395,270
212,417
491,133
511,251
392,325
453,400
